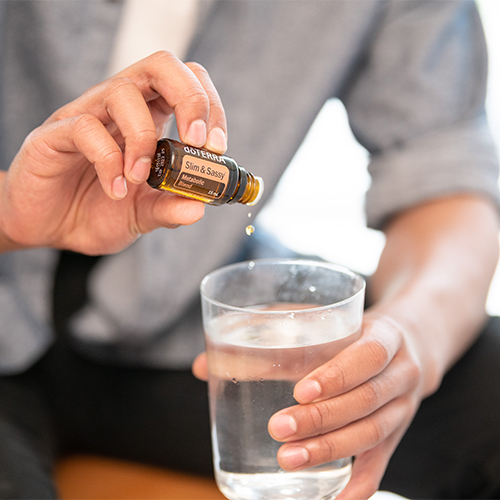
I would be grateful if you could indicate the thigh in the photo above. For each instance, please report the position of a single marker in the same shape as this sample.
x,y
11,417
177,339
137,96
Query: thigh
x,y
452,448
26,440
153,416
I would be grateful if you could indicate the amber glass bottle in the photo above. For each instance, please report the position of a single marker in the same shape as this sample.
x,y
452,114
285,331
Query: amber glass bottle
x,y
202,175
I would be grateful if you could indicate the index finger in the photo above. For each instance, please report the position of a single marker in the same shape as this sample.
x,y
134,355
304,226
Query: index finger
x,y
362,360
166,83
185,89
217,126
119,101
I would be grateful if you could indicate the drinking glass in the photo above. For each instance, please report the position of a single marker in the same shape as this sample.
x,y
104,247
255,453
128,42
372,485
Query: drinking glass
x,y
268,323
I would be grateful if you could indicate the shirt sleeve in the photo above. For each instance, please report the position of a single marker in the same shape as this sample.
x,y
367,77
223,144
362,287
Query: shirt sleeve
x,y
416,102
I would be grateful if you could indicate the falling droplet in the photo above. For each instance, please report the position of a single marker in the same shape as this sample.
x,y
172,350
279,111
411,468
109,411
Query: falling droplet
x,y
312,288
249,214
251,264
249,230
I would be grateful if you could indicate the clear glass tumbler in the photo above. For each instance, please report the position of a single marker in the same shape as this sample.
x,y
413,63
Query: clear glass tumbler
x,y
268,323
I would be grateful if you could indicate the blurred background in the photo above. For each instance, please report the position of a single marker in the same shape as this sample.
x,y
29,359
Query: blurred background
x,y
301,211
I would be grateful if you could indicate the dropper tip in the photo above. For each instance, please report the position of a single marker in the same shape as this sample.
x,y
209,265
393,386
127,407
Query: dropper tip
x,y
260,191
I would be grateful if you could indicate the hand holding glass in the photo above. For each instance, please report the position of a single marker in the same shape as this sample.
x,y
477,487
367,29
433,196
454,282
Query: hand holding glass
x,y
268,323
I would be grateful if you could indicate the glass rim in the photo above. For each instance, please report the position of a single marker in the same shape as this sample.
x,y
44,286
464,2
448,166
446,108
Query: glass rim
x,y
282,261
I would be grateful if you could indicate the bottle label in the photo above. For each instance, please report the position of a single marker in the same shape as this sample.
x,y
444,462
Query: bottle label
x,y
203,177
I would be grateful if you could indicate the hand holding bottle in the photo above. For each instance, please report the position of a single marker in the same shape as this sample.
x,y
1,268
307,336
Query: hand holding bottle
x,y
78,182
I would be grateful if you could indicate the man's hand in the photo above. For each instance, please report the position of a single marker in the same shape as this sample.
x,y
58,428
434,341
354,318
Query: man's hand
x,y
360,403
78,181
429,294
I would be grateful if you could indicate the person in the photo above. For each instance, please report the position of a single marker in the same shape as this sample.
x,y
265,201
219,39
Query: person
x,y
100,319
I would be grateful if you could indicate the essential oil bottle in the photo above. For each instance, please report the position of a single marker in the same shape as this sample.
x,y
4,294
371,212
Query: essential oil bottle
x,y
202,175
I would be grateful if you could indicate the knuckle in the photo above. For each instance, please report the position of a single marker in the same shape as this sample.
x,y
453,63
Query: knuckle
x,y
196,67
161,57
145,135
315,417
104,152
378,353
330,451
32,138
409,405
318,418
216,109
196,95
325,450
370,394
109,155
377,431
338,374
38,149
59,114
85,123
415,371
120,84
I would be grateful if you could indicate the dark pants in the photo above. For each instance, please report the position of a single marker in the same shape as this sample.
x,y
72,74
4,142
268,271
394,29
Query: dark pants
x,y
67,403
452,448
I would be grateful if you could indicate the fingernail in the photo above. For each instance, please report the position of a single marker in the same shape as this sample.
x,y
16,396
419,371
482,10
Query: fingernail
x,y
140,170
294,456
216,140
197,133
307,391
119,187
283,426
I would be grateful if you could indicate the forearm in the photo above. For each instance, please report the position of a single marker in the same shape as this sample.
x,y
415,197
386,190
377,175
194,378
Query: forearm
x,y
434,275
